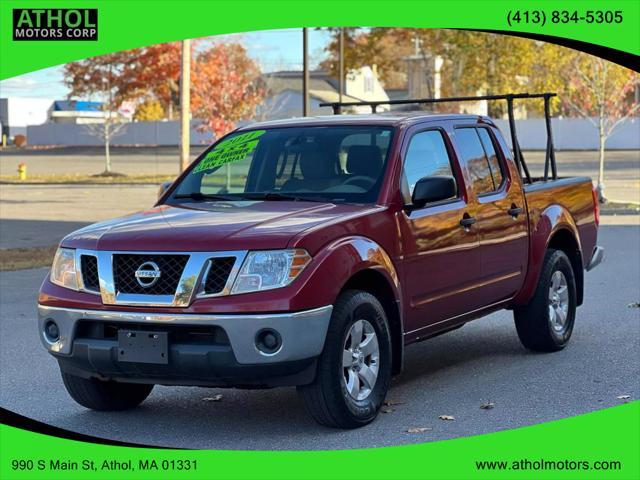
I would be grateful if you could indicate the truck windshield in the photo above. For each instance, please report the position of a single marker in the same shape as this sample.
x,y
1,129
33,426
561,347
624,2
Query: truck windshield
x,y
339,164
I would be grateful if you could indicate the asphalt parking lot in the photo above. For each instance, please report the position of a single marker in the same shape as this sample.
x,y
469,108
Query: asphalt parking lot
x,y
37,215
449,375
622,172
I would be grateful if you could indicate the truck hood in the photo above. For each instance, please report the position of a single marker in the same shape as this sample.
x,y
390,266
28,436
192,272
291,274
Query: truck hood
x,y
212,226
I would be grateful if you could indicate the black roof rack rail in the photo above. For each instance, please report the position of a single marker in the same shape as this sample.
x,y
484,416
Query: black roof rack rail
x,y
550,156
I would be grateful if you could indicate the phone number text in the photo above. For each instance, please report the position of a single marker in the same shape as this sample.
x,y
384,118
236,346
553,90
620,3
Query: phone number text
x,y
541,17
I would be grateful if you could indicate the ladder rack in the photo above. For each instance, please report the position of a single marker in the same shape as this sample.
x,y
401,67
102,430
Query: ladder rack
x,y
550,156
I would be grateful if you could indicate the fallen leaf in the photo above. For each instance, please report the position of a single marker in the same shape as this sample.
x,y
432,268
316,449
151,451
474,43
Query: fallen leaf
x,y
215,398
634,305
419,429
447,417
487,405
623,397
388,410
391,403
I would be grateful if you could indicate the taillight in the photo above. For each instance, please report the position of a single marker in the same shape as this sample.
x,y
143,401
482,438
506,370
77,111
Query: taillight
x,y
596,205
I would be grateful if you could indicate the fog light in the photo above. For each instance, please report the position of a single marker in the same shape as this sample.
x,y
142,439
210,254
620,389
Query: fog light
x,y
51,331
268,341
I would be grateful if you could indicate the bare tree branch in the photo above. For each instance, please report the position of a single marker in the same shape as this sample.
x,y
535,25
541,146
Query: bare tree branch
x,y
631,111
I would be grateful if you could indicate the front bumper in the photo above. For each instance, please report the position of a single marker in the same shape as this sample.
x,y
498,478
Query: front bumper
x,y
203,349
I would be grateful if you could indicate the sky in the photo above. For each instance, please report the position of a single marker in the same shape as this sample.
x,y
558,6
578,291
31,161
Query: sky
x,y
273,49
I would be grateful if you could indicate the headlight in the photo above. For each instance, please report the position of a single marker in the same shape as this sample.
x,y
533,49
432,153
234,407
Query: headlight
x,y
63,271
270,269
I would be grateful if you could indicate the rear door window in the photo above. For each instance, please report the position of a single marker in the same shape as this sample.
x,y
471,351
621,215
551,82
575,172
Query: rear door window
x,y
472,151
494,162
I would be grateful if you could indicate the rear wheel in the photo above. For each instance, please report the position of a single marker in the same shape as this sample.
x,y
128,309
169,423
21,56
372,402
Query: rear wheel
x,y
354,370
100,395
546,324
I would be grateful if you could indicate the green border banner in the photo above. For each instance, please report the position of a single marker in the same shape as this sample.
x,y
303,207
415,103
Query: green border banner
x,y
578,448
599,445
125,24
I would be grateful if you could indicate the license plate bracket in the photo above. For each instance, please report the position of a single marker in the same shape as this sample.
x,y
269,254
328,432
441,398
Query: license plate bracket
x,y
138,346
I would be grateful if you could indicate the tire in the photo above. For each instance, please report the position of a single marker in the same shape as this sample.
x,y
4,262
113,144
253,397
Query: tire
x,y
341,396
105,396
540,324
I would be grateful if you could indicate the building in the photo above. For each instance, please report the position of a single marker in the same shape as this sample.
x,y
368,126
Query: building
x,y
284,92
80,112
18,112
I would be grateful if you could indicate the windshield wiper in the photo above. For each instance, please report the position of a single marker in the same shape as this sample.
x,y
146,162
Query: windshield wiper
x,y
201,197
276,196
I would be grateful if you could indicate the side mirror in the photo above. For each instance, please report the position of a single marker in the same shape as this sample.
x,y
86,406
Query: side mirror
x,y
163,188
433,189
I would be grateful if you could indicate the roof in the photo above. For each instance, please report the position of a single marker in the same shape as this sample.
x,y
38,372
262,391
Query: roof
x,y
331,96
387,118
76,106
278,82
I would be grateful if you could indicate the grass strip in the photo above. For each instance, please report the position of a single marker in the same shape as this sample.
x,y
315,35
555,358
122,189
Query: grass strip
x,y
24,258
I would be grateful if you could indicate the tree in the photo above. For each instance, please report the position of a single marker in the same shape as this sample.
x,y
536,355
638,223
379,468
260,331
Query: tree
x,y
490,64
474,62
376,46
225,87
603,93
158,68
149,110
111,77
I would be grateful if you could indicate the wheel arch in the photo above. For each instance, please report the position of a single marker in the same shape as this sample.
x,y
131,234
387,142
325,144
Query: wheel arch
x,y
357,262
374,282
554,228
563,239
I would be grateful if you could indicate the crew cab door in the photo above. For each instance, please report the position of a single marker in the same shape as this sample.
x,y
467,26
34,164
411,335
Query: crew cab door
x,y
501,216
440,256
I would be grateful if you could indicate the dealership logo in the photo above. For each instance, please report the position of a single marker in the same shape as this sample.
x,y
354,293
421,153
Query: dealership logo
x,y
55,24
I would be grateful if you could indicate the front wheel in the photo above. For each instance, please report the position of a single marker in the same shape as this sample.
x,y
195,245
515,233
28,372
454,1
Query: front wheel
x,y
546,323
100,395
354,370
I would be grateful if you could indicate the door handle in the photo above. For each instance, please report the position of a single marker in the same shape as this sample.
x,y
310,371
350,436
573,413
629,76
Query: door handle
x,y
514,211
467,221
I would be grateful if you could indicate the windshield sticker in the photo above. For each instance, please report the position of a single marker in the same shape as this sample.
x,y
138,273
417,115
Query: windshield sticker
x,y
230,151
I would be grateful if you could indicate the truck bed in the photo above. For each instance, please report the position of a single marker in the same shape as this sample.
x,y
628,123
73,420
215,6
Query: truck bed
x,y
573,194
564,203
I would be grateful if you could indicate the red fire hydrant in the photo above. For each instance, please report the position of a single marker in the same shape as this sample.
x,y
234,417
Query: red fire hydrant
x,y
22,171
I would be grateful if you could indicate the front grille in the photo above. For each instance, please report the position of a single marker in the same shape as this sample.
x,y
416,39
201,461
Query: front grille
x,y
218,274
89,270
170,266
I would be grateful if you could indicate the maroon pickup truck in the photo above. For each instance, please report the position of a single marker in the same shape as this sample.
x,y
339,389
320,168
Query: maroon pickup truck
x,y
311,252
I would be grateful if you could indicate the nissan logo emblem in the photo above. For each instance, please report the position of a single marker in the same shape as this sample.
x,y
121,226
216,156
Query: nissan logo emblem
x,y
147,274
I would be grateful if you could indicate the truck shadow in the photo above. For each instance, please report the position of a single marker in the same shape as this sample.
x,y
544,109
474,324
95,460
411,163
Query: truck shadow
x,y
252,420
467,345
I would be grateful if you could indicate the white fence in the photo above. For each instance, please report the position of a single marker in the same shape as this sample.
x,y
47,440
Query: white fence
x,y
568,134
137,133
572,134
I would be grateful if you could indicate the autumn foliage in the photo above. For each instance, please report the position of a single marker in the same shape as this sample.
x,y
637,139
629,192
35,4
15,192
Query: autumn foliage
x,y
158,68
149,110
474,63
225,82
225,87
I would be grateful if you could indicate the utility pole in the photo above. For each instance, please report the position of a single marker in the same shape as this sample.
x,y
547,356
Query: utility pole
x,y
305,72
341,64
185,104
